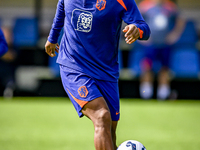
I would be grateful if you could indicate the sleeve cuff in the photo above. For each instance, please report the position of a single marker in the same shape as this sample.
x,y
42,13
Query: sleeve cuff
x,y
141,33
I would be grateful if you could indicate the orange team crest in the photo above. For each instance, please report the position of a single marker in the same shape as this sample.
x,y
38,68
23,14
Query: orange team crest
x,y
101,4
82,91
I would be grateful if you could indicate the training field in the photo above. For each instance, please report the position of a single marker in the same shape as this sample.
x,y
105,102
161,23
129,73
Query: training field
x,y
52,124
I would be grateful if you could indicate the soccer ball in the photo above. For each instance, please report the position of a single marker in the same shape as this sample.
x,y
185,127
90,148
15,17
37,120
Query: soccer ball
x,y
131,145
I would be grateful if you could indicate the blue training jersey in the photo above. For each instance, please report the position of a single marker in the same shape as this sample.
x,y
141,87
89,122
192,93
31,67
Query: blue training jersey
x,y
3,44
91,34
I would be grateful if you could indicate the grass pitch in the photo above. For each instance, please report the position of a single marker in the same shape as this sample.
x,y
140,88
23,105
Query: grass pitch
x,y
52,124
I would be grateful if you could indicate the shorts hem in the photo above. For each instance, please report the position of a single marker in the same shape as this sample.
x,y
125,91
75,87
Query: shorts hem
x,y
80,113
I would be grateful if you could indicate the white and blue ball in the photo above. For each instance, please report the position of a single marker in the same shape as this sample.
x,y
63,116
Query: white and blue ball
x,y
131,145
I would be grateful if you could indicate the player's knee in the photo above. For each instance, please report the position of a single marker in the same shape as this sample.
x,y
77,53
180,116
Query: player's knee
x,y
103,117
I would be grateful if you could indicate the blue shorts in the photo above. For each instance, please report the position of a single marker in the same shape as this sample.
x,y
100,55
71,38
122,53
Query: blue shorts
x,y
81,88
156,57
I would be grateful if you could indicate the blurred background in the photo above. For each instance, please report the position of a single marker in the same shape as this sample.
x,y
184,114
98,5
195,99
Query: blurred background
x,y
172,73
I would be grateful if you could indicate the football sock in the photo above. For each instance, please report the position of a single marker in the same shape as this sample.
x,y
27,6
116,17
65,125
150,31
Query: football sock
x,y
163,91
146,90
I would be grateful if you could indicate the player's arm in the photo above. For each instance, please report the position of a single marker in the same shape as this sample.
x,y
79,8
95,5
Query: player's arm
x,y
174,35
51,45
137,28
3,44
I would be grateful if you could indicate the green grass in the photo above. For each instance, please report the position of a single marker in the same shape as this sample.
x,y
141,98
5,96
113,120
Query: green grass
x,y
52,124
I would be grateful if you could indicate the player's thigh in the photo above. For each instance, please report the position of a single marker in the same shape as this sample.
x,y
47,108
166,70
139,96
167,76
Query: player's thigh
x,y
110,92
80,88
96,109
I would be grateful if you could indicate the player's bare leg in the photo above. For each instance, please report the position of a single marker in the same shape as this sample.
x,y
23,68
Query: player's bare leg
x,y
113,132
163,77
164,90
98,111
146,84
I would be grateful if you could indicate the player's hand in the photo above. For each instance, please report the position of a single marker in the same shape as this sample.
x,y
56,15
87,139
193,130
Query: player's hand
x,y
51,48
132,33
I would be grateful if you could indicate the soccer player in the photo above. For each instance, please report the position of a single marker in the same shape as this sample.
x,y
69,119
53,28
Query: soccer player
x,y
88,58
3,44
166,26
7,63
